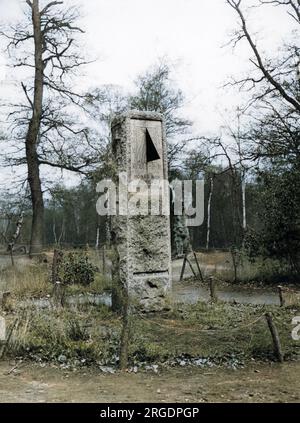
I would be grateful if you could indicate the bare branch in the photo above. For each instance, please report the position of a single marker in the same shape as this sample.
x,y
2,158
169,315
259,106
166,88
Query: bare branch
x,y
26,94
260,64
295,14
49,5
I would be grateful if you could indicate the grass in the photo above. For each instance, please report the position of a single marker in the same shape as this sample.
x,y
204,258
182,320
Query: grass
x,y
45,335
101,284
91,333
32,280
27,281
215,331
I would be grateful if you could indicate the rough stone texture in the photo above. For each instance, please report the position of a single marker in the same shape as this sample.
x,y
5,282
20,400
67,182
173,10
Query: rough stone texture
x,y
149,247
2,329
142,248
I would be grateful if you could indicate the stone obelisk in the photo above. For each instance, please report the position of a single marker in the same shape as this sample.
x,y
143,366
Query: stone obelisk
x,y
141,239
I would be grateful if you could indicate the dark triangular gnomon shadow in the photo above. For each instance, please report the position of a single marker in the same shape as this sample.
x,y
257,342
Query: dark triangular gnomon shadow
x,y
151,152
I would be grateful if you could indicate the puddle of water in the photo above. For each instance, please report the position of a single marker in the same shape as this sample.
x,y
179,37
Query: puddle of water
x,y
192,294
181,294
93,299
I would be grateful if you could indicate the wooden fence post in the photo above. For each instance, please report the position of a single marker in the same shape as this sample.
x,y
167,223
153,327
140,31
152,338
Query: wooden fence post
x,y
59,294
104,260
4,298
198,266
6,342
58,287
11,253
124,343
275,337
183,268
281,297
212,288
57,259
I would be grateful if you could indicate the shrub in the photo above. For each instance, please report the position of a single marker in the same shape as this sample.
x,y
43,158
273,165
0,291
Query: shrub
x,y
76,269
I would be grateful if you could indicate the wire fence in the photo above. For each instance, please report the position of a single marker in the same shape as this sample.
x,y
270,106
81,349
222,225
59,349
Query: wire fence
x,y
22,250
198,330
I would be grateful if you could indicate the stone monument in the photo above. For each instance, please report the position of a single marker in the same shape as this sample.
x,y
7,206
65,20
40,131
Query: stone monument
x,y
140,230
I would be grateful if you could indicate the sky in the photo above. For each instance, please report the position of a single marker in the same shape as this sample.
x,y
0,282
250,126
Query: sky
x,y
127,36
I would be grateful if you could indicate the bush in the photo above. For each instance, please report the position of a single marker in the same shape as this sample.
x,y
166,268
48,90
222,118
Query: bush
x,y
278,234
76,269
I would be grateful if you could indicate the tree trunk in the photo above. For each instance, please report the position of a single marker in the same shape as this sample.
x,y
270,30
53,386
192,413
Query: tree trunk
x,y
32,137
209,212
97,237
244,203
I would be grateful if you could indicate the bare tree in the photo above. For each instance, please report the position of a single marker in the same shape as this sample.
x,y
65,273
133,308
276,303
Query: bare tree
x,y
274,87
271,137
219,149
44,42
158,93
273,75
102,103
155,91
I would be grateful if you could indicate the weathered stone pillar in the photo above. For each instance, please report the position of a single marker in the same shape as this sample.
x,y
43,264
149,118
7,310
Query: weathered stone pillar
x,y
140,231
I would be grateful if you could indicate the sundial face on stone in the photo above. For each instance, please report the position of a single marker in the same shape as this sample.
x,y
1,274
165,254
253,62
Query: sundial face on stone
x,y
146,149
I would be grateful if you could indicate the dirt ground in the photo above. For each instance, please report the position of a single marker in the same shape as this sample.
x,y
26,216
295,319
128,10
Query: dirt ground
x,y
263,382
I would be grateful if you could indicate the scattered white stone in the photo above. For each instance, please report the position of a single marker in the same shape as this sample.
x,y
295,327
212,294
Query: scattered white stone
x,y
106,369
62,358
155,368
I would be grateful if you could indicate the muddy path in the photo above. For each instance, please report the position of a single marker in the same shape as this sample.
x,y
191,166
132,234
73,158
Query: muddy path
x,y
264,382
